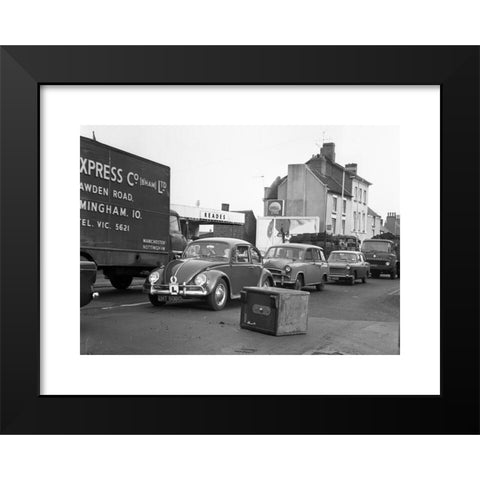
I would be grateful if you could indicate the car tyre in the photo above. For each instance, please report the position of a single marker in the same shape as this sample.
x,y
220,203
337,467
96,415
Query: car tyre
x,y
218,298
299,284
155,301
321,286
266,283
364,279
353,279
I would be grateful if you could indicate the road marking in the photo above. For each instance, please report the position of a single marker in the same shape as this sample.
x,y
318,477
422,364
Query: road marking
x,y
395,292
126,305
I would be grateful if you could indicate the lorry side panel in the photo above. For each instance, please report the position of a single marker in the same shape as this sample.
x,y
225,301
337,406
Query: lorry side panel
x,y
124,207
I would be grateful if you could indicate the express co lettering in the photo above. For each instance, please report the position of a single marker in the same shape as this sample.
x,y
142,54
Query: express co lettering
x,y
115,174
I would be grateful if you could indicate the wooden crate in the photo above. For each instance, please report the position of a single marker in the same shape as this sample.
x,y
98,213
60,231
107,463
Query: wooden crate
x,y
275,311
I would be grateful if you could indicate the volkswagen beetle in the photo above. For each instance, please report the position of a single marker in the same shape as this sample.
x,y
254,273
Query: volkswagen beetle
x,y
297,265
215,269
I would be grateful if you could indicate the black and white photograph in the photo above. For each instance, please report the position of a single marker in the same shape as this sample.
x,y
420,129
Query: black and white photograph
x,y
239,240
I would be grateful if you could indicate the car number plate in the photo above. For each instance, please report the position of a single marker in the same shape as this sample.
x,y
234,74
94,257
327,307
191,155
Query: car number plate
x,y
175,299
174,290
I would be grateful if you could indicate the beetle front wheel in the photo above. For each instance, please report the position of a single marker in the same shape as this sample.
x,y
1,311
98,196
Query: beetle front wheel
x,y
218,298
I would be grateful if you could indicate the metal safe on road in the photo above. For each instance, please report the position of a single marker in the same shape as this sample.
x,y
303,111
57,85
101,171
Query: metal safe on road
x,y
274,311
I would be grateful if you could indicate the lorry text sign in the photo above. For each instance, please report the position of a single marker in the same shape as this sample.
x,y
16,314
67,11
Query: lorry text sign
x,y
124,200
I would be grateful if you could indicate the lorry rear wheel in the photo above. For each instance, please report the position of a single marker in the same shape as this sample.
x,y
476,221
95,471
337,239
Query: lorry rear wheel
x,y
120,282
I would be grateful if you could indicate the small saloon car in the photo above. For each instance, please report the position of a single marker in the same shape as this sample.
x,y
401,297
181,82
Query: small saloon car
x,y
348,265
215,269
297,265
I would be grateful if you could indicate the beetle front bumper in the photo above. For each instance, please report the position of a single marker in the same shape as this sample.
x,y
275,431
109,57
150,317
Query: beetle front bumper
x,y
183,290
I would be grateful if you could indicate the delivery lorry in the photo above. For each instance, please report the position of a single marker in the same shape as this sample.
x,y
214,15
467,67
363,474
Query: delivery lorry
x,y
126,225
383,255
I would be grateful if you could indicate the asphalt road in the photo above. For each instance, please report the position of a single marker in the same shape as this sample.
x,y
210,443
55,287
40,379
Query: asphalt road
x,y
343,319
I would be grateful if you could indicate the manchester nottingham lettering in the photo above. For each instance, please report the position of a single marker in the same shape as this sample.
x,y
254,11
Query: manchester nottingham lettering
x,y
103,208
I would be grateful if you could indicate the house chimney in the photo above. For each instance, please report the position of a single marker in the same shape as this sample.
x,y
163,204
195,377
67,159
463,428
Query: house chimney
x,y
225,207
318,163
328,151
351,168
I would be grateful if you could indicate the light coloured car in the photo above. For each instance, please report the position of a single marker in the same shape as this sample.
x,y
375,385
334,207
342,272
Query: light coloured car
x,y
297,265
348,265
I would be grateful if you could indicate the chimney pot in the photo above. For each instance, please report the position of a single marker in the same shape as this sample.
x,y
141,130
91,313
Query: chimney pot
x,y
351,167
328,151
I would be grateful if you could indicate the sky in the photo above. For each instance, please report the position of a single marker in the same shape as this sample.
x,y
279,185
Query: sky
x,y
231,164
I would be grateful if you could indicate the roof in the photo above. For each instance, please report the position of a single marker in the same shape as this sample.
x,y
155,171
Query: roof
x,y
208,215
372,213
297,245
358,177
377,240
230,241
331,183
344,251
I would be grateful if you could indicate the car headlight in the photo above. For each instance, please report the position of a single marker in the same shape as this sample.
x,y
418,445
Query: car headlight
x,y
347,267
200,279
387,263
153,277
288,268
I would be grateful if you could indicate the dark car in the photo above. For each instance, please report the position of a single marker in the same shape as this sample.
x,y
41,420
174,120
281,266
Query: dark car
x,y
215,269
297,265
348,265
88,275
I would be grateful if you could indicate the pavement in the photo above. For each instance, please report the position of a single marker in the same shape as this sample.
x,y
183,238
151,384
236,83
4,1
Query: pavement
x,y
363,319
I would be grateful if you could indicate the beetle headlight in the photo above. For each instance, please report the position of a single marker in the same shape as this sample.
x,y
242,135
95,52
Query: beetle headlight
x,y
288,268
387,263
200,279
347,267
153,277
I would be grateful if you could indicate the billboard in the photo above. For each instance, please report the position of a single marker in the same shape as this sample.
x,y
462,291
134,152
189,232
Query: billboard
x,y
275,230
275,208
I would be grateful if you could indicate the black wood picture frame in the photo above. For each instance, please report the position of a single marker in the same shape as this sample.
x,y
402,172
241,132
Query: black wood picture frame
x,y
25,69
